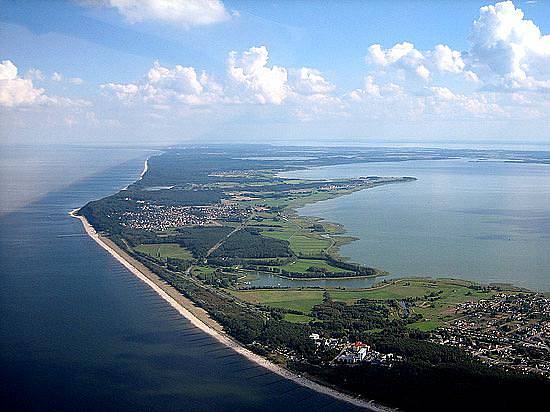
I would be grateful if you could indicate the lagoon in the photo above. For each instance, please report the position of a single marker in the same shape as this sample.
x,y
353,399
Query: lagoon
x,y
487,221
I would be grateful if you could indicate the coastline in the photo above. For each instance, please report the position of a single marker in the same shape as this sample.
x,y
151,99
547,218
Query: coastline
x,y
145,169
339,235
325,278
200,319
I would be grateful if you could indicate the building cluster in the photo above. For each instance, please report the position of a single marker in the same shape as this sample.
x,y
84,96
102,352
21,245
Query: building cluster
x,y
341,186
236,173
162,217
326,343
355,353
509,330
362,181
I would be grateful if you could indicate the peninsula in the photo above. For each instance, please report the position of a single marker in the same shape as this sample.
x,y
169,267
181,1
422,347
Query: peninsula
x,y
202,223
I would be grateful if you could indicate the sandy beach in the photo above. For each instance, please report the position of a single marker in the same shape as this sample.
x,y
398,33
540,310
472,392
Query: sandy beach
x,y
200,318
145,168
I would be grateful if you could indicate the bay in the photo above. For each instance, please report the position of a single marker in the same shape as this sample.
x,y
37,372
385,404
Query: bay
x,y
486,221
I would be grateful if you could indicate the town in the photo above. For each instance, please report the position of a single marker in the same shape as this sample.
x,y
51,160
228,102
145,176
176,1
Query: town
x,y
354,353
509,330
159,218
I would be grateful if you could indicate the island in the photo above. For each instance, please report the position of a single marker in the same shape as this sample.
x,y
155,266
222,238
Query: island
x,y
202,223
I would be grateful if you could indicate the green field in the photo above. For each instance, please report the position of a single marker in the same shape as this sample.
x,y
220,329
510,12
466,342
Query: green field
x,y
301,244
279,233
435,312
308,245
165,250
291,317
302,300
302,265
203,272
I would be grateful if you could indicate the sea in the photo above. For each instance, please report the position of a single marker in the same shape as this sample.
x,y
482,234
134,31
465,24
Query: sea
x,y
80,332
486,221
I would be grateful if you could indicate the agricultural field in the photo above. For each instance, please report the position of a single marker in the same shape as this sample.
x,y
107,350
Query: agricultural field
x,y
434,299
302,266
294,299
284,233
303,245
165,250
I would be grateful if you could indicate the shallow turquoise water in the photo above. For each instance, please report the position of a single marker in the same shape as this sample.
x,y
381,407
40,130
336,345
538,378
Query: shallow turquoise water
x,y
484,221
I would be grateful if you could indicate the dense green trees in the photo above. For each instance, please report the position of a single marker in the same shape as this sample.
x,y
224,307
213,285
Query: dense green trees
x,y
249,243
174,196
199,240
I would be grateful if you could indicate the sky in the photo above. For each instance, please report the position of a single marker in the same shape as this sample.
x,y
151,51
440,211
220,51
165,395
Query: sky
x,y
159,72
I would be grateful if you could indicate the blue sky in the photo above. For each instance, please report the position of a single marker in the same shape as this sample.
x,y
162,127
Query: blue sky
x,y
161,71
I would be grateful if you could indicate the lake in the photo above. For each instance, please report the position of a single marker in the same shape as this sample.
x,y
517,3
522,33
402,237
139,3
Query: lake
x,y
487,221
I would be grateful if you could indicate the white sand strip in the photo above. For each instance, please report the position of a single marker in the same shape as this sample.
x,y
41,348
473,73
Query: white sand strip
x,y
159,287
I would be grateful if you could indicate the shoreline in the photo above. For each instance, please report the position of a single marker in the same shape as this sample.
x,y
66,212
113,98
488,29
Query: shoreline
x,y
188,310
324,278
339,237
145,168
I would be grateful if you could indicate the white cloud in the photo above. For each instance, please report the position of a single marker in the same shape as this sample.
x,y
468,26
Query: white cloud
x,y
311,81
374,91
185,12
267,84
404,59
15,91
57,77
34,74
507,53
162,86
443,92
75,80
371,88
402,56
250,80
448,60
509,50
124,92
422,72
182,80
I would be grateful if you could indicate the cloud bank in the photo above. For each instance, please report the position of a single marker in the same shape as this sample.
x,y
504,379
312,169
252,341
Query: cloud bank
x,y
504,74
187,13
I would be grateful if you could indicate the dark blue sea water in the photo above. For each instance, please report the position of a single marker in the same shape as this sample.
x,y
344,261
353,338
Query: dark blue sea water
x,y
79,332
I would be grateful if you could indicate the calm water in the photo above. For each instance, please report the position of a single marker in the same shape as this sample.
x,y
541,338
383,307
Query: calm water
x,y
79,332
485,221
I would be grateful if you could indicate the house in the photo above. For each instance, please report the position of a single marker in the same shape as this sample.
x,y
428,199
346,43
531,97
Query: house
x,y
354,353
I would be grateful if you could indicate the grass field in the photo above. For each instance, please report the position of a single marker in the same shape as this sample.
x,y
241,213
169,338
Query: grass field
x,y
308,245
165,250
284,233
435,312
302,300
302,265
291,317
203,272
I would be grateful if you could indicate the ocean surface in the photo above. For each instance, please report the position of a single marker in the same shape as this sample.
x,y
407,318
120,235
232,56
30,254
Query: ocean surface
x,y
487,221
79,332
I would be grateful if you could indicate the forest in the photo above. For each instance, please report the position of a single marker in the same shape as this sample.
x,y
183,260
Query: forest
x,y
428,376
